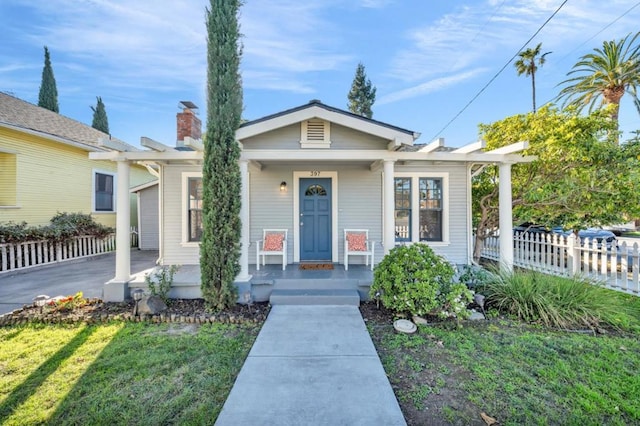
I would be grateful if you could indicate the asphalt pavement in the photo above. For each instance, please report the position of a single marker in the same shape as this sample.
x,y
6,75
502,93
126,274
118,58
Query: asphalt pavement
x,y
87,275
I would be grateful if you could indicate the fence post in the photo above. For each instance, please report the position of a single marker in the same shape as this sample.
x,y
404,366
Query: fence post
x,y
573,253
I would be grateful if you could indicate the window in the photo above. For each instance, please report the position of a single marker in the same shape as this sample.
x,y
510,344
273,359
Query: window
x,y
403,209
104,192
194,209
8,186
421,207
430,209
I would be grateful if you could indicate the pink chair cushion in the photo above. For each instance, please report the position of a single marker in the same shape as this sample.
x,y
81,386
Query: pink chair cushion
x,y
357,242
273,242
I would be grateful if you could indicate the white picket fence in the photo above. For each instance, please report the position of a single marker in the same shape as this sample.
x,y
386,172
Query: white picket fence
x,y
34,253
617,267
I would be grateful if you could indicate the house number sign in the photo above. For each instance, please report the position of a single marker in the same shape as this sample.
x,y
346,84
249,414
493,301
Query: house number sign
x,y
314,173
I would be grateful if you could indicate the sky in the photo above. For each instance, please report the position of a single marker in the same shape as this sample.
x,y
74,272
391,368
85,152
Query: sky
x,y
435,63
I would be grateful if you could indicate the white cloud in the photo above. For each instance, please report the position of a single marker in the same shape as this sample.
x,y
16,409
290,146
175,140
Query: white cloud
x,y
430,86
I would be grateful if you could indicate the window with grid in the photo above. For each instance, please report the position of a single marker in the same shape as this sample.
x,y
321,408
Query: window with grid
x,y
104,192
430,209
194,207
403,209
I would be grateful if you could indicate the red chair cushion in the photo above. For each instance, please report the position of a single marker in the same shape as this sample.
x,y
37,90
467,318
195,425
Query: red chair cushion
x,y
357,242
273,242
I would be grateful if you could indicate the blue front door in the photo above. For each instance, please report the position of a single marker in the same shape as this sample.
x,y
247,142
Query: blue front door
x,y
315,219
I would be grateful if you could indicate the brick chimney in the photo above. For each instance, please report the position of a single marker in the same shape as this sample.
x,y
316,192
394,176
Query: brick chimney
x,y
188,123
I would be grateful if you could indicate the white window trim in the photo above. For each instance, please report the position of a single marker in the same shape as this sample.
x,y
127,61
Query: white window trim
x,y
415,205
306,143
184,198
93,191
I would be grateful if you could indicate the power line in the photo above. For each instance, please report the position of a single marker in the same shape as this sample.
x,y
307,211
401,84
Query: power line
x,y
500,71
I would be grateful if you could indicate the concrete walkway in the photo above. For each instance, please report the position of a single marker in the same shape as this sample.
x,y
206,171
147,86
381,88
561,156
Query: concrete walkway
x,y
87,275
312,365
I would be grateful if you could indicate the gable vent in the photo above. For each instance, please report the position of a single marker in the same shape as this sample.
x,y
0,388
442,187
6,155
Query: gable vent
x,y
315,133
315,130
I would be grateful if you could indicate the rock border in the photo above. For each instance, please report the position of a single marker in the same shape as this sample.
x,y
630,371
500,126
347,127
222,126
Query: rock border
x,y
30,315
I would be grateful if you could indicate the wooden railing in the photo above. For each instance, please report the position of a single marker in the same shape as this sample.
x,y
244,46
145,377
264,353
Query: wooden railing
x,y
34,253
616,266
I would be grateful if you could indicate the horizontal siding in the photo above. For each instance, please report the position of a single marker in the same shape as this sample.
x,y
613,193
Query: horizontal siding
x,y
53,177
7,179
360,207
269,208
289,138
173,201
149,219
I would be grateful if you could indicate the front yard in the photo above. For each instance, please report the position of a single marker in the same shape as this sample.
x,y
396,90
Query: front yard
x,y
119,372
517,374
122,372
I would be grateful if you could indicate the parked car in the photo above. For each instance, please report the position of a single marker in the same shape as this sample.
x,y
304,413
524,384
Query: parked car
x,y
599,235
528,227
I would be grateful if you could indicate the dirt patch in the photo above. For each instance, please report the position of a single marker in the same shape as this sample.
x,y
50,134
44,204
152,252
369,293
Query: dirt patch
x,y
425,380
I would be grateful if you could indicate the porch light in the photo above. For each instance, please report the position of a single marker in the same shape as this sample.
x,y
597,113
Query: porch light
x,y
283,186
137,294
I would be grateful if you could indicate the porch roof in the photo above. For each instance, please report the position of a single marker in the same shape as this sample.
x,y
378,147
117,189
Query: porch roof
x,y
508,154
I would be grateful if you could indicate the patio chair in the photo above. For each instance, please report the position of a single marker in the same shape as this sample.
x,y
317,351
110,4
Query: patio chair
x,y
357,243
273,243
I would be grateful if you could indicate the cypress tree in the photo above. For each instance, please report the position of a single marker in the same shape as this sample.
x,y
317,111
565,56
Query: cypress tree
x,y
221,180
48,97
100,120
362,94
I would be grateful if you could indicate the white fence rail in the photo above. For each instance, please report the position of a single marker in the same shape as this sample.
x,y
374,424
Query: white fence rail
x,y
617,266
34,253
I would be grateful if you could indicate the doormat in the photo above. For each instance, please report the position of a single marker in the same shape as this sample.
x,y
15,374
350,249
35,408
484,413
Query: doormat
x,y
316,266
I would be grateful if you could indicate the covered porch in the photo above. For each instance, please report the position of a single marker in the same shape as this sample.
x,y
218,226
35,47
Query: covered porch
x,y
272,284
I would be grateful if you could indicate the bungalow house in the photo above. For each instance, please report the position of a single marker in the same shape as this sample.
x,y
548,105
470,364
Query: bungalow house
x,y
316,171
44,167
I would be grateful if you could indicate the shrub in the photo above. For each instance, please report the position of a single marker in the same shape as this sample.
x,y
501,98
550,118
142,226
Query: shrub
x,y
414,279
63,227
559,301
160,281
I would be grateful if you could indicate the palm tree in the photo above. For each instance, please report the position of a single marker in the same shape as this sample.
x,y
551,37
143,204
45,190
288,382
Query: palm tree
x,y
609,72
528,65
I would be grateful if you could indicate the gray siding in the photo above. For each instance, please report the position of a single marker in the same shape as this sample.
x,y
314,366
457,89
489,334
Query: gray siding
x,y
149,219
270,208
289,138
173,202
359,206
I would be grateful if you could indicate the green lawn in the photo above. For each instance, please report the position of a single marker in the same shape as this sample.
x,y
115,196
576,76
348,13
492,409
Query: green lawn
x,y
119,373
514,373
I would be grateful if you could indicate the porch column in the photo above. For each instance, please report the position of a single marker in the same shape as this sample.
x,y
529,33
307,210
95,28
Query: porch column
x,y
506,218
388,226
244,219
117,290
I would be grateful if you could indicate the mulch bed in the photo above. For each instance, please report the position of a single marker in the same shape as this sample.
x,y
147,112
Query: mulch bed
x,y
178,311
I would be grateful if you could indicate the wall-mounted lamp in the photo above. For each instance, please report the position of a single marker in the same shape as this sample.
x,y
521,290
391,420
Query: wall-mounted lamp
x,y
283,186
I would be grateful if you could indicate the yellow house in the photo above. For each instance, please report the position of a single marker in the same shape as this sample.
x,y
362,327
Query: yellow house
x,y
45,167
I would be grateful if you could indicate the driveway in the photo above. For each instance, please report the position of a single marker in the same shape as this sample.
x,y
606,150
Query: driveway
x,y
85,275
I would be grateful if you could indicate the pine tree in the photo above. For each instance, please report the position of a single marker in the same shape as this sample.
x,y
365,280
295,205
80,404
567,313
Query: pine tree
x,y
221,180
48,97
100,120
362,94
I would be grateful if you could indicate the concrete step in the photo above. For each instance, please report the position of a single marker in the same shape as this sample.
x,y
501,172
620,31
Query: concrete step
x,y
315,297
314,284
